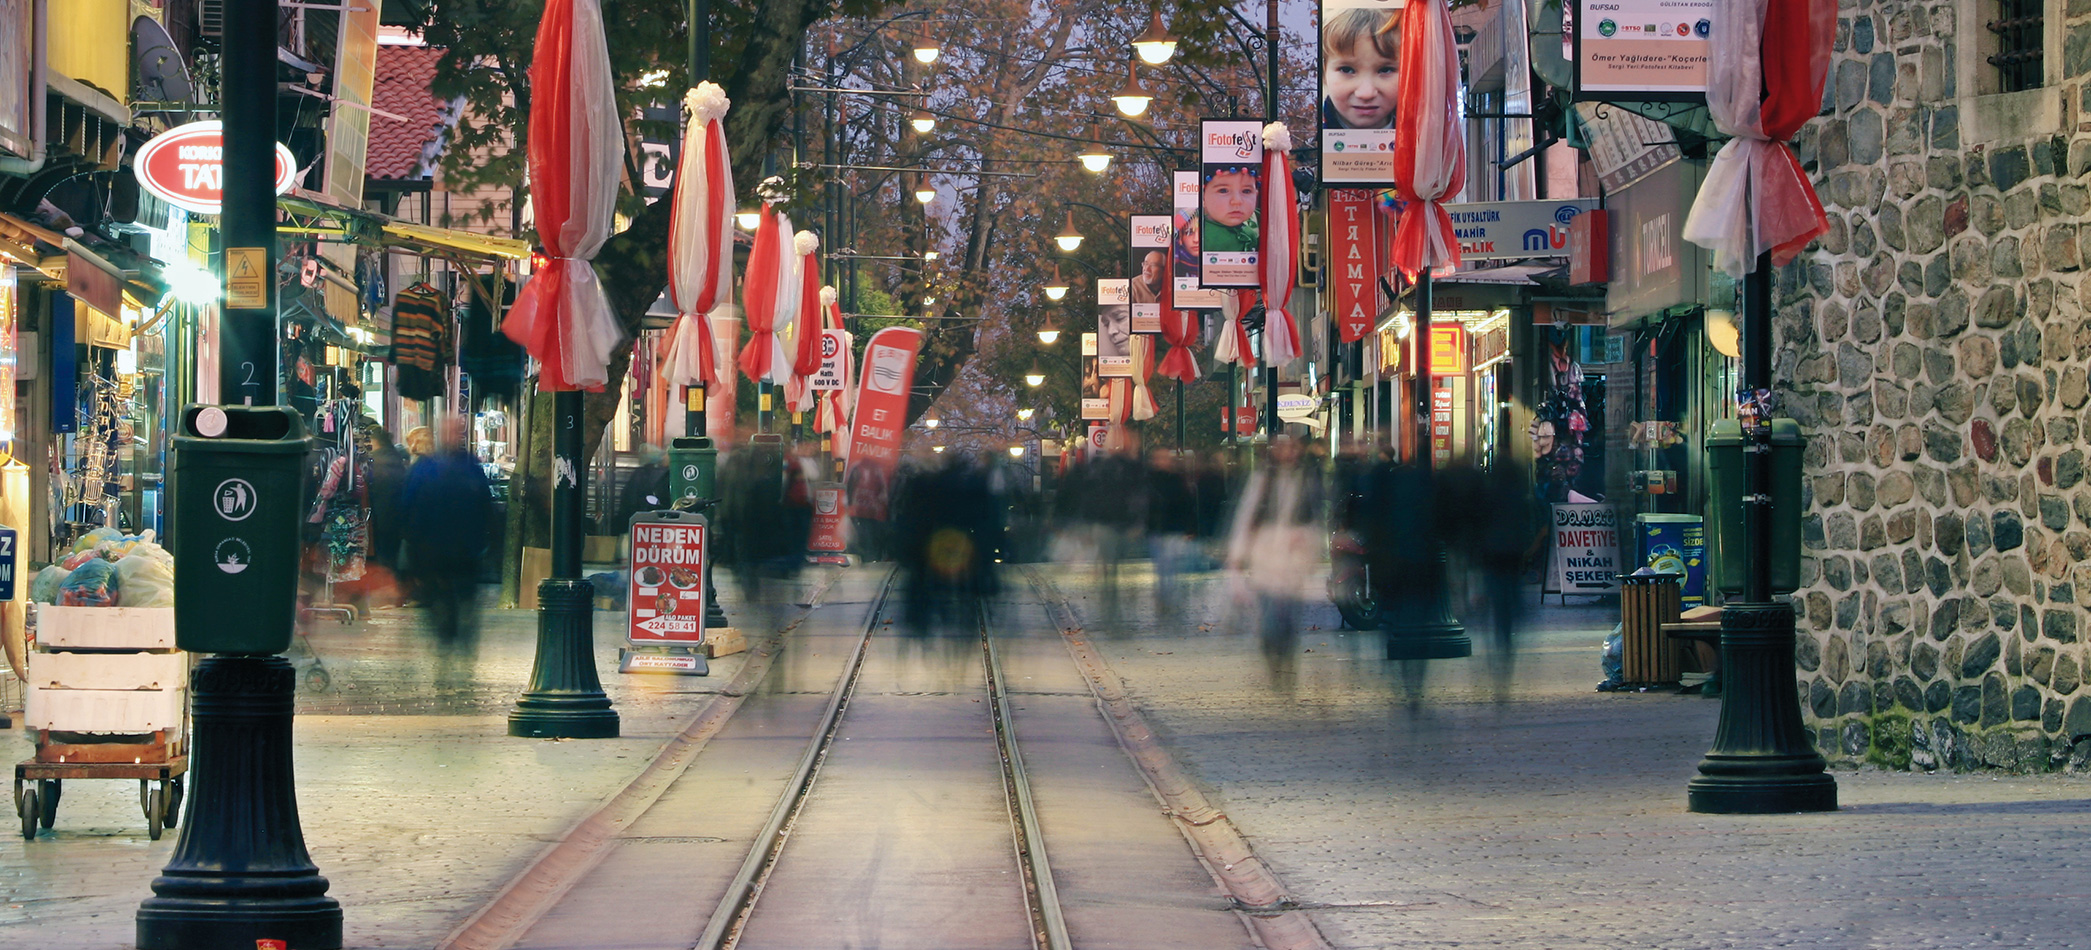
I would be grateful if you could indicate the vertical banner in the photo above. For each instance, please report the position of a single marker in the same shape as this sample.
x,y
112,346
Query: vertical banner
x,y
1114,326
1440,426
881,417
1095,404
1183,257
1354,259
1149,253
1230,157
1586,549
1360,49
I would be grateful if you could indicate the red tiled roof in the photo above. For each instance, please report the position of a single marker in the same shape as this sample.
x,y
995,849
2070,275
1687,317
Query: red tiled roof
x,y
404,74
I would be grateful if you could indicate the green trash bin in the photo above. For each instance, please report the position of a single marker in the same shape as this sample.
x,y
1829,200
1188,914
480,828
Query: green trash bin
x,y
1725,477
237,476
693,468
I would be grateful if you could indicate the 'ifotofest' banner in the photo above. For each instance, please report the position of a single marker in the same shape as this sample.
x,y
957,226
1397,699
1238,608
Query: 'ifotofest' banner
x,y
880,420
1114,327
1629,50
1149,284
1230,175
1183,254
1360,55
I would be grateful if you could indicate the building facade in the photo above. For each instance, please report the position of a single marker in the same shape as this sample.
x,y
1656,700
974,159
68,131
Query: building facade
x,y
1934,344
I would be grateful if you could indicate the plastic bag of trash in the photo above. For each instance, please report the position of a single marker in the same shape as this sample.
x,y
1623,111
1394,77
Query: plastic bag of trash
x,y
44,589
1614,660
93,584
144,580
88,541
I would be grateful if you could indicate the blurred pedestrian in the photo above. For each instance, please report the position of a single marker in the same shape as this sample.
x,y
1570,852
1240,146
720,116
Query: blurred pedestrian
x,y
444,509
1172,528
1507,533
1274,545
388,477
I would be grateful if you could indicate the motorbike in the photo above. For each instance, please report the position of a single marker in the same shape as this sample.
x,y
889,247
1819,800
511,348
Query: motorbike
x,y
1350,581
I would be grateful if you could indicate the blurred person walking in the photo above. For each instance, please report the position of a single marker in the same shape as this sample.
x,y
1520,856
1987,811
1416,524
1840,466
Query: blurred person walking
x,y
444,509
1172,528
1276,540
1507,533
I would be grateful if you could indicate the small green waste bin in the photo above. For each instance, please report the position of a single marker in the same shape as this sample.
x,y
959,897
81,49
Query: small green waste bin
x,y
693,467
1725,469
238,479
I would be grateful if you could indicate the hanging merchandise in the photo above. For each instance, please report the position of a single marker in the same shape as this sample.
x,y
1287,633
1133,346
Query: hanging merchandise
x,y
421,341
342,509
494,361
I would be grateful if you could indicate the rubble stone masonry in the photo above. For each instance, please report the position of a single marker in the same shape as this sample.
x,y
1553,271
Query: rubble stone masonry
x,y
1935,344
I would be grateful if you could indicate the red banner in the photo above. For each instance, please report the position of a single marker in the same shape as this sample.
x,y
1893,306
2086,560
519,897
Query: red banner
x,y
881,418
1354,259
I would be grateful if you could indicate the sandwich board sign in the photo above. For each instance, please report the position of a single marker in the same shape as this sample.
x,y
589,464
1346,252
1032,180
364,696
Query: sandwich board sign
x,y
664,596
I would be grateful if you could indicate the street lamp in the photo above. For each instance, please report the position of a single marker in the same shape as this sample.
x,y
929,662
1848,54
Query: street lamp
x,y
1056,290
1132,100
1069,238
926,49
930,423
924,193
748,220
1034,378
923,122
1048,334
1025,414
1016,451
930,255
1095,160
1156,45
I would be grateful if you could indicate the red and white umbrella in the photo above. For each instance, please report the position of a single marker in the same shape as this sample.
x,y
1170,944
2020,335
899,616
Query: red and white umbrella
x,y
1180,331
1430,150
700,240
576,153
770,296
1278,247
1764,79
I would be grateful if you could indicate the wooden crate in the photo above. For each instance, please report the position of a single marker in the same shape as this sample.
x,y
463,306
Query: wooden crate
x,y
122,693
104,628
724,641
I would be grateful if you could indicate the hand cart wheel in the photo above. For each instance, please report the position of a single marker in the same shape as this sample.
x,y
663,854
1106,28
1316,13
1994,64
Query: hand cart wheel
x,y
48,792
156,813
30,809
174,801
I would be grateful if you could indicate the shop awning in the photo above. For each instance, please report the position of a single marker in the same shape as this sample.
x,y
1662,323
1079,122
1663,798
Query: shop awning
x,y
478,245
322,219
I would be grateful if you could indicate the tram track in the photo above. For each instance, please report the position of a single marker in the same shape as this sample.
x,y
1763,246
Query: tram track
x,y
1048,925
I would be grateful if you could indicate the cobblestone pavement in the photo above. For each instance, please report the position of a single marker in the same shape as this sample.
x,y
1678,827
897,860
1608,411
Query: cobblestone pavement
x,y
1553,820
1556,819
417,805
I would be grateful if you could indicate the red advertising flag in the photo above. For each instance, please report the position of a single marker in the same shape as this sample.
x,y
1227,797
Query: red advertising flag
x,y
881,418
1354,257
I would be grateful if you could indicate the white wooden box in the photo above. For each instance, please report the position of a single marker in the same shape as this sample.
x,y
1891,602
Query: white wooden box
x,y
104,628
106,692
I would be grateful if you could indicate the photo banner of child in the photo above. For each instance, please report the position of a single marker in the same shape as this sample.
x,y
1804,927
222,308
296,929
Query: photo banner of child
x,y
1183,255
1230,158
1360,57
1114,326
1149,253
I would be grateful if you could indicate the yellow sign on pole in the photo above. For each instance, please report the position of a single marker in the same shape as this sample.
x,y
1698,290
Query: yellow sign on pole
x,y
246,278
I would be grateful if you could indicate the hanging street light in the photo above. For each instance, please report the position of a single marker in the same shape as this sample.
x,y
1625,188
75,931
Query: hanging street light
x,y
1056,289
926,49
923,122
1156,45
1069,239
1095,160
1016,451
1048,334
924,193
1132,100
931,422
1025,414
748,220
930,255
1034,378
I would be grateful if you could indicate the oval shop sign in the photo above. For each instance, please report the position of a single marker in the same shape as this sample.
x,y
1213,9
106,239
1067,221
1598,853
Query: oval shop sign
x,y
185,167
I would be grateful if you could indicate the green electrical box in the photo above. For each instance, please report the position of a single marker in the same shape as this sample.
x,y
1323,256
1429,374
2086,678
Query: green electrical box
x,y
1725,469
238,480
693,468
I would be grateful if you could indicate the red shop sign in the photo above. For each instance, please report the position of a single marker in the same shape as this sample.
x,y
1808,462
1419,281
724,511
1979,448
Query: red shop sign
x,y
185,167
1353,261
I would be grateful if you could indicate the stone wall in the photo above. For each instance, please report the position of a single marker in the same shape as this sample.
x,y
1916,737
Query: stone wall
x,y
1935,345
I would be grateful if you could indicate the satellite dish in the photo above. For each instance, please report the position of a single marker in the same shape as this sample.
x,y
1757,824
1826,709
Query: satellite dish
x,y
161,75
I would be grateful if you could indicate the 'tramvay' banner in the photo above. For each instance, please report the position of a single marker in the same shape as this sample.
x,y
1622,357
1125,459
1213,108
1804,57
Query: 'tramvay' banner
x,y
1355,256
880,421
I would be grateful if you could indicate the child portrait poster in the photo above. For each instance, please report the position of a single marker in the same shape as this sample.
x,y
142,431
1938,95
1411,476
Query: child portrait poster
x,y
1114,331
1149,266
1360,54
1230,173
1183,256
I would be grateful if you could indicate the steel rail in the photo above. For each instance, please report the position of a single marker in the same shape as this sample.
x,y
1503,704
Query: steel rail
x,y
1049,925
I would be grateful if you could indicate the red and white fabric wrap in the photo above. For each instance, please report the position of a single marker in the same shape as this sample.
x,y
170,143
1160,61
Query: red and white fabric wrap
x,y
805,335
1430,150
1180,331
1142,345
832,413
576,159
1278,247
700,240
1764,79
770,296
1233,344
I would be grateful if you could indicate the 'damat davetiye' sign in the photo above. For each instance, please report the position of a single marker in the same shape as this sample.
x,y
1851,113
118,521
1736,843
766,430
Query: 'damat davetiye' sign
x,y
1586,548
185,167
